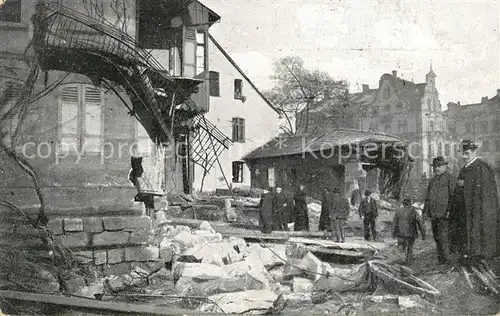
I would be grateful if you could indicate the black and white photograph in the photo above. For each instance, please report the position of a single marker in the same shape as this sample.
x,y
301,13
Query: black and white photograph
x,y
249,157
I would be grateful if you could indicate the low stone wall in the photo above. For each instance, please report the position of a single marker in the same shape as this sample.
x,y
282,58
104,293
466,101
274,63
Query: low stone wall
x,y
112,243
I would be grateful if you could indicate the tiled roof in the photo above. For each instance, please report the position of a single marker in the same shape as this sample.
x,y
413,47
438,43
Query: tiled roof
x,y
321,140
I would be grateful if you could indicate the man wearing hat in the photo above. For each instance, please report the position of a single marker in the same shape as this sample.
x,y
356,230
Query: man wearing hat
x,y
437,206
475,210
368,211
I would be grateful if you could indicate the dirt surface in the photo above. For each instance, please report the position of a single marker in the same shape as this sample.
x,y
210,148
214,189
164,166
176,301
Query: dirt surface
x,y
456,296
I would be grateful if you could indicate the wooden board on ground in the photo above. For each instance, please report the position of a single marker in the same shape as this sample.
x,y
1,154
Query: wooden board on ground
x,y
90,304
336,245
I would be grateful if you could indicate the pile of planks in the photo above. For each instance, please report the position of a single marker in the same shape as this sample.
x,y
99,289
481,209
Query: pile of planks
x,y
485,278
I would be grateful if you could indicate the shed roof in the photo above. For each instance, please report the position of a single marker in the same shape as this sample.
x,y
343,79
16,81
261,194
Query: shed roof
x,y
321,140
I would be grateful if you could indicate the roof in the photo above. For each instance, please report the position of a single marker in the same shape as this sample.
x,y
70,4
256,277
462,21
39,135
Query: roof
x,y
321,140
223,51
454,108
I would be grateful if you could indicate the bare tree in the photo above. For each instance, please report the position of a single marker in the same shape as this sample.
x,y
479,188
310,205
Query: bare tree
x,y
297,90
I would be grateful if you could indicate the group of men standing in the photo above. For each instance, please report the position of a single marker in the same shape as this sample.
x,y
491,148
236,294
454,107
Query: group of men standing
x,y
334,212
464,212
277,210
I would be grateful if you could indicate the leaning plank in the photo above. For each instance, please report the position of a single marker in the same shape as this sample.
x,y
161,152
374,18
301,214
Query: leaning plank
x,y
485,281
83,303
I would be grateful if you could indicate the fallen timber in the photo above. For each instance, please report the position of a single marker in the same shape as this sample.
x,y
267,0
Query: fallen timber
x,y
314,241
110,308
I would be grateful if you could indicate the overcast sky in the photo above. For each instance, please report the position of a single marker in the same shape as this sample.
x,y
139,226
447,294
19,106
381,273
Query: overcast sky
x,y
359,40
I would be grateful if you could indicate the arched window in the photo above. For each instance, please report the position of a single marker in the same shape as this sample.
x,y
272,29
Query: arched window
x,y
447,150
387,93
431,125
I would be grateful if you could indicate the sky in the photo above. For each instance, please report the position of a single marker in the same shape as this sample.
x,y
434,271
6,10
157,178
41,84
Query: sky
x,y
360,40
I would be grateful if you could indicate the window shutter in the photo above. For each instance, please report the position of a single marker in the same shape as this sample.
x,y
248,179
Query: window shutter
x,y
242,133
214,84
189,52
235,129
69,118
93,118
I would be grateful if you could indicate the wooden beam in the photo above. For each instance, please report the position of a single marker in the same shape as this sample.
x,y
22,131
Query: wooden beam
x,y
90,304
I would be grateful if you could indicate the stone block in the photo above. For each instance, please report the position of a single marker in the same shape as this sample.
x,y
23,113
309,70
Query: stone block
x,y
92,224
55,225
73,225
74,240
141,237
138,223
84,256
115,256
117,269
113,223
142,253
149,266
111,238
166,254
74,285
100,257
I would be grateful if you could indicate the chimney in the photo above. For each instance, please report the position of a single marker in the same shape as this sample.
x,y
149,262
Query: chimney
x,y
484,99
367,87
458,102
395,73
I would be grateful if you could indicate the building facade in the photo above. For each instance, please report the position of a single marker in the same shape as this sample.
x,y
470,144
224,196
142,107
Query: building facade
x,y
240,110
81,130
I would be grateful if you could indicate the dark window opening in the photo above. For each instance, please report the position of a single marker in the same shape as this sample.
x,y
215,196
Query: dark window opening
x,y
214,84
238,130
10,11
238,171
468,127
238,89
486,146
447,150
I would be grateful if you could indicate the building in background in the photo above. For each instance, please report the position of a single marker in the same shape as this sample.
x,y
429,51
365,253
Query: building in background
x,y
239,109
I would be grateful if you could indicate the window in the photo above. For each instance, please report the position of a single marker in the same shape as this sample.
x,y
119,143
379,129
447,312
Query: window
x,y
238,171
189,69
80,118
431,125
387,93
200,53
214,84
238,130
484,126
447,150
496,125
10,11
238,89
399,105
486,146
468,127
440,149
497,145
388,108
429,103
403,126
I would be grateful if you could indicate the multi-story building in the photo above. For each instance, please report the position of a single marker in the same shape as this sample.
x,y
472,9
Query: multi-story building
x,y
479,122
112,74
411,111
239,109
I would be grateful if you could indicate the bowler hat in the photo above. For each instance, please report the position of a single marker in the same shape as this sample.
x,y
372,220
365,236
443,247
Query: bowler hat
x,y
439,161
467,144
368,193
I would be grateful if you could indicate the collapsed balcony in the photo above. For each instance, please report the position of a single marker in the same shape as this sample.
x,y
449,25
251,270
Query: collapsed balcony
x,y
106,54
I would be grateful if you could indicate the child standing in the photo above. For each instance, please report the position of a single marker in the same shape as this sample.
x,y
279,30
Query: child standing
x,y
407,222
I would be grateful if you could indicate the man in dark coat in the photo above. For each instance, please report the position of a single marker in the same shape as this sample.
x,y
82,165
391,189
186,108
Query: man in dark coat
x,y
279,210
266,212
326,205
368,211
437,206
475,210
300,210
338,214
406,224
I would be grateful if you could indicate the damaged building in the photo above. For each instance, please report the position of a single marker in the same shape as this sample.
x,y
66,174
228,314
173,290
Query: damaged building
x,y
332,158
